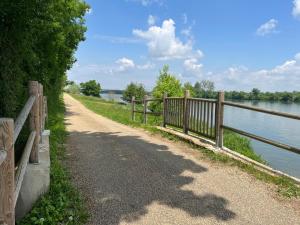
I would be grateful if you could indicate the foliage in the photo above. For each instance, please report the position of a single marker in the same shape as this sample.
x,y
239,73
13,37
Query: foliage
x,y
256,94
72,88
121,114
90,88
204,89
189,86
62,204
37,42
166,83
133,89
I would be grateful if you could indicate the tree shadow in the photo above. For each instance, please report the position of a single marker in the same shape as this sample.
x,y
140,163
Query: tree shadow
x,y
121,175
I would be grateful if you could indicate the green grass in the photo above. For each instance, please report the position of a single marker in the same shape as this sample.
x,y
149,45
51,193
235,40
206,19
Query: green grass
x,y
122,114
62,204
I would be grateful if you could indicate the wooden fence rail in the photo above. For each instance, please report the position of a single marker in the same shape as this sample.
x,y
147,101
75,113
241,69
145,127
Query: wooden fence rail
x,y
145,110
205,117
11,179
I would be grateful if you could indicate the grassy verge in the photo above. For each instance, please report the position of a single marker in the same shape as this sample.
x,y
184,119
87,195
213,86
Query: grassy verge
x,y
122,114
62,204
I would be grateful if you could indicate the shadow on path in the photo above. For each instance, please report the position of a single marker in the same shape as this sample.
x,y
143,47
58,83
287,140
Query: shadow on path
x,y
121,176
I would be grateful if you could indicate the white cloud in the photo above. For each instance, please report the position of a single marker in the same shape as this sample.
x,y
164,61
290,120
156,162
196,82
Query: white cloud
x,y
147,2
162,42
187,32
192,65
125,64
267,28
296,9
151,20
116,39
285,76
146,66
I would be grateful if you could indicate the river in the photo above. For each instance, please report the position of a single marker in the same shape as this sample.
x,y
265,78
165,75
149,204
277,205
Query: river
x,y
280,129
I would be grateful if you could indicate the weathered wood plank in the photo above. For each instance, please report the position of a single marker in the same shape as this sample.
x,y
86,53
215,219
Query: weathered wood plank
x,y
7,181
41,109
219,119
22,165
186,112
34,120
164,111
19,123
133,108
275,113
145,109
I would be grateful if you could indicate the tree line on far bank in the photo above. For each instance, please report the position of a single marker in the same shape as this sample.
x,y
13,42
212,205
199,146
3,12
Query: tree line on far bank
x,y
168,83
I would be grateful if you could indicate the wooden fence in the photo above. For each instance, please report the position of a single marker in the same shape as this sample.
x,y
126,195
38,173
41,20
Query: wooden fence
x,y
11,176
144,104
206,117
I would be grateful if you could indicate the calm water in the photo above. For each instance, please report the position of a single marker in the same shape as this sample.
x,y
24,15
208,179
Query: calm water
x,y
284,130
110,97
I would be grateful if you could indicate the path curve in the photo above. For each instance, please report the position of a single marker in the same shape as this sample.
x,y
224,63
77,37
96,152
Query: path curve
x,y
131,177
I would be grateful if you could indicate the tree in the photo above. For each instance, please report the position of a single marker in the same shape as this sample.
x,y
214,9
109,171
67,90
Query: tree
x,y
166,83
189,86
286,97
133,89
72,88
255,94
90,88
37,42
204,89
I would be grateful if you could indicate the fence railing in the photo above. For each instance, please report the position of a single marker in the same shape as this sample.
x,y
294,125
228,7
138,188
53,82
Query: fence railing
x,y
145,110
206,117
11,176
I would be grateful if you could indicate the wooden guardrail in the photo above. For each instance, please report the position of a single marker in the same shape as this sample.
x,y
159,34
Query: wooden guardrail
x,y
206,117
11,176
145,110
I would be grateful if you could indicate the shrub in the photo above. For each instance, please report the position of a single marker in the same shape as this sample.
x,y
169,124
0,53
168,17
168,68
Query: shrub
x,y
134,90
90,88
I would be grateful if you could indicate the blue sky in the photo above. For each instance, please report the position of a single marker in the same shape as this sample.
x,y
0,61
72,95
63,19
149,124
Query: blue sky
x,y
238,44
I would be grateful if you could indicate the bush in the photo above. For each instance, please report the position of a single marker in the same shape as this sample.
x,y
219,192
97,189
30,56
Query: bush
x,y
134,90
72,88
37,42
90,88
166,83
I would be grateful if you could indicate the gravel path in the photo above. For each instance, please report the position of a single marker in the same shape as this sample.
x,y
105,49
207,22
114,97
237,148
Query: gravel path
x,y
131,177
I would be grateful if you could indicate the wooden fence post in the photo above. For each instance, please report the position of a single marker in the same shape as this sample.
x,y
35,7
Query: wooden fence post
x,y
7,172
164,111
34,120
186,112
41,109
45,110
145,109
133,108
219,119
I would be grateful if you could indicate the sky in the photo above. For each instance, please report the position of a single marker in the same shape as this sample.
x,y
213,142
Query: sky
x,y
237,44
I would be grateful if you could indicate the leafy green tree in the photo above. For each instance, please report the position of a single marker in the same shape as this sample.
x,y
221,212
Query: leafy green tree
x,y
166,83
286,97
72,88
37,42
255,94
189,86
204,89
90,88
133,89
